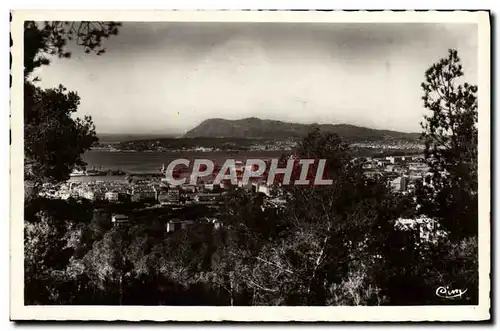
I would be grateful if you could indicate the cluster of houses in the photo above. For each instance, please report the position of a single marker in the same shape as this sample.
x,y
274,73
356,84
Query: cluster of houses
x,y
427,229
274,145
400,171
151,191
175,224
396,144
101,190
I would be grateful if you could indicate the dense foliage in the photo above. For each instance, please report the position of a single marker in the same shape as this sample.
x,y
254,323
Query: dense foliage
x,y
451,138
54,140
332,245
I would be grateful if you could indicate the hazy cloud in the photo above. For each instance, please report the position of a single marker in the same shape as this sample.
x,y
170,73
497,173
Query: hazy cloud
x,y
168,77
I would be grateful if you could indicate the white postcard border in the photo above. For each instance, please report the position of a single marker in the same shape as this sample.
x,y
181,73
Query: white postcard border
x,y
162,313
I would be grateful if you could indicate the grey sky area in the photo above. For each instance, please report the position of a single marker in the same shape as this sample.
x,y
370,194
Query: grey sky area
x,y
169,77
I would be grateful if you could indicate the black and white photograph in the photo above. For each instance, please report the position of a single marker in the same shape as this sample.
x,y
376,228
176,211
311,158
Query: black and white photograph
x,y
274,166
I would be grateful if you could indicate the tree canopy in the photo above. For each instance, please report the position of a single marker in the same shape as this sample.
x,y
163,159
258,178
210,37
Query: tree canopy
x,y
450,134
54,139
45,39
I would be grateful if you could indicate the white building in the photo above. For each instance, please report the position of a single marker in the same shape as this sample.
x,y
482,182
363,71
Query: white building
x,y
400,184
175,225
427,228
188,188
119,219
418,166
111,196
261,188
394,159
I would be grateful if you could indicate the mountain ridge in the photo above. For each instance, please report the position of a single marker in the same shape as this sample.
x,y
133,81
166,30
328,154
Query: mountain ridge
x,y
253,127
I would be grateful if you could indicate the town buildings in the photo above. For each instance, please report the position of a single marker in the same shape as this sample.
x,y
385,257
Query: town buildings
x,y
428,229
400,172
400,184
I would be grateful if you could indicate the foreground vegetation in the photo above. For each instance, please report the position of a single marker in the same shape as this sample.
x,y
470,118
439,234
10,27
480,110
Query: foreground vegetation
x,y
330,246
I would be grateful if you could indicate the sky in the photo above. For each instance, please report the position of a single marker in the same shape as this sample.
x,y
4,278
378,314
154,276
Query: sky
x,y
168,77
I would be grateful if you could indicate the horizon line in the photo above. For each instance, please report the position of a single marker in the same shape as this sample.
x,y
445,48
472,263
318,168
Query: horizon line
x,y
253,117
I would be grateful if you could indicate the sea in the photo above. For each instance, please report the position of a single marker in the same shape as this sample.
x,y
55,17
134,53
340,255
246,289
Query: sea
x,y
151,162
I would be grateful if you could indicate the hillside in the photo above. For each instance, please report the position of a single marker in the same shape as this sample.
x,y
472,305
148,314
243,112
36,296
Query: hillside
x,y
268,129
113,138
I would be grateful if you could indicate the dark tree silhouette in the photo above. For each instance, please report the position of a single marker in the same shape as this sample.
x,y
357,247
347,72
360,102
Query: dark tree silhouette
x,y
45,39
322,250
54,141
53,144
450,135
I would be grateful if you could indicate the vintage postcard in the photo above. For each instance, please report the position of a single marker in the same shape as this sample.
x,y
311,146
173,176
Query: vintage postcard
x,y
250,166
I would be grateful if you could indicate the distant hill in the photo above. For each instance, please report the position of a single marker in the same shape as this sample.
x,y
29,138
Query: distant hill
x,y
268,129
109,138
